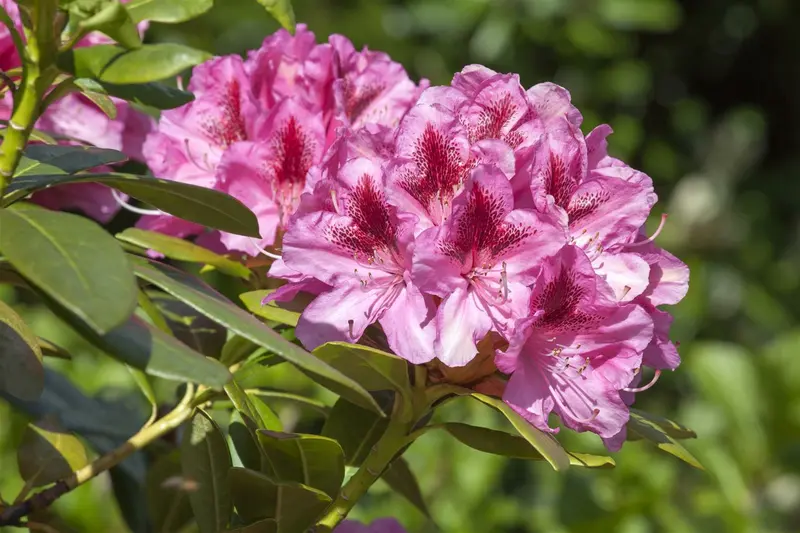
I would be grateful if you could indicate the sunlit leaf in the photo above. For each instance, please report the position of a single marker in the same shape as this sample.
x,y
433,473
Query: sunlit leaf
x,y
98,94
252,300
282,11
45,158
167,11
48,454
648,430
21,372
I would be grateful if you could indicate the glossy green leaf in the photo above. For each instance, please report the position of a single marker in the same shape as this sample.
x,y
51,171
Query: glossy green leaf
x,y
501,443
167,11
21,371
112,64
205,461
194,329
546,445
48,454
648,430
237,349
72,260
141,380
312,460
168,494
255,374
253,410
195,204
403,481
45,158
671,428
356,429
156,95
215,306
244,441
374,369
181,250
295,507
50,349
110,18
252,300
282,11
98,94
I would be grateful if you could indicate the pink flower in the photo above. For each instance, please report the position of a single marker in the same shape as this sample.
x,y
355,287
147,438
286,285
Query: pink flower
x,y
361,247
576,350
382,525
481,262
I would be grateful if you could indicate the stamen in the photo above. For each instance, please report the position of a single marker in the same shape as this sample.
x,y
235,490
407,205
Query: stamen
x,y
189,154
625,290
263,251
179,83
653,236
335,202
133,209
641,389
350,324
587,420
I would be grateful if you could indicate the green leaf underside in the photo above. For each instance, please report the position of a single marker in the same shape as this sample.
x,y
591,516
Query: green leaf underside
x,y
156,95
181,250
47,454
207,301
311,460
196,204
252,301
45,158
546,445
73,260
648,430
293,506
98,94
21,371
205,462
192,328
113,64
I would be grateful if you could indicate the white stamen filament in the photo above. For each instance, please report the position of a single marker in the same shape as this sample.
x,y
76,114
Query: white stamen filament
x,y
263,251
206,168
644,388
653,236
133,209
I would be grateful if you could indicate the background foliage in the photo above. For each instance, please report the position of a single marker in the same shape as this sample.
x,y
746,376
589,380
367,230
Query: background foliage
x,y
701,97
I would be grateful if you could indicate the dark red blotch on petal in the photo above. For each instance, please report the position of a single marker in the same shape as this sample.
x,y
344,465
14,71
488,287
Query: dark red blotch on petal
x,y
229,127
561,299
373,228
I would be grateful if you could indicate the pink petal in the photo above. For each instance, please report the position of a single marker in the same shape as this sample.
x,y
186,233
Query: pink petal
x,y
410,326
627,273
461,323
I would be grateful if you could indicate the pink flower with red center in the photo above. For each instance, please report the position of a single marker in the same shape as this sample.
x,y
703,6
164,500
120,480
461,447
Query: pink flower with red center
x,y
576,350
481,262
361,247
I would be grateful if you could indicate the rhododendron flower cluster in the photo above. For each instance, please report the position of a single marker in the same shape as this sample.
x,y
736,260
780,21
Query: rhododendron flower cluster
x,y
443,214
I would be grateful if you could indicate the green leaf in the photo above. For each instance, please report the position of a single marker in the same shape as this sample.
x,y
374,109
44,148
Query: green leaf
x,y
237,349
244,441
189,202
48,454
111,19
167,11
205,461
21,371
646,429
72,260
282,11
156,95
312,460
181,250
193,329
252,300
373,369
256,373
144,385
673,429
270,525
402,480
168,494
215,306
501,443
550,449
50,349
98,94
356,429
293,506
45,158
112,64
255,412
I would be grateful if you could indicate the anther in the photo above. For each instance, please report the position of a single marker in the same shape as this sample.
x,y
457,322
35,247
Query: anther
x,y
625,290
350,325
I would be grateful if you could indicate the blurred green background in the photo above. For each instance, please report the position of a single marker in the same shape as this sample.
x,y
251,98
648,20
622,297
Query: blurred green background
x,y
702,96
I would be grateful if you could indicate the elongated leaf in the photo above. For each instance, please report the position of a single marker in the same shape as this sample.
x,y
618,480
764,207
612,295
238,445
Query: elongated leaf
x,y
282,11
256,373
244,441
47,454
196,204
98,94
270,525
21,371
671,428
312,460
644,428
111,19
50,349
205,461
260,416
112,64
373,369
167,11
550,449
501,443
402,480
216,307
43,158
356,429
193,329
144,385
237,349
293,506
168,494
72,260
182,250
156,95
252,300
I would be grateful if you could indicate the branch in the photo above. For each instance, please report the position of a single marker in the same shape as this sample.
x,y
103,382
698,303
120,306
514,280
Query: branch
x,y
12,516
